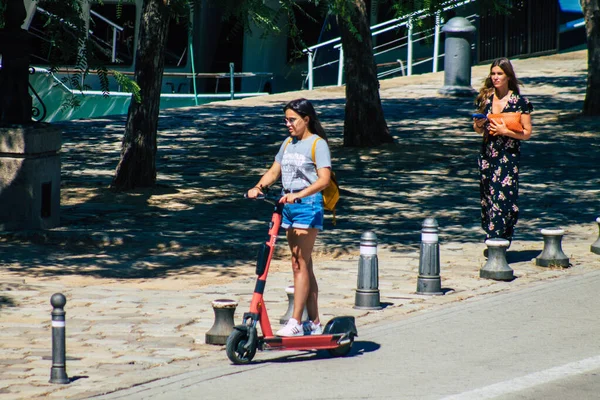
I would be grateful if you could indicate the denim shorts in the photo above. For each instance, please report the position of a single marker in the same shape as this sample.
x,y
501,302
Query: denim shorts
x,y
308,214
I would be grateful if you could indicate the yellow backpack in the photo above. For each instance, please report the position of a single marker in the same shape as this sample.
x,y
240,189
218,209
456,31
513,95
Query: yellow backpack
x,y
331,194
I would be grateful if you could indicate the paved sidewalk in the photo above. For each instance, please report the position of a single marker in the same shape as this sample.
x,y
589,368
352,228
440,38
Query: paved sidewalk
x,y
140,270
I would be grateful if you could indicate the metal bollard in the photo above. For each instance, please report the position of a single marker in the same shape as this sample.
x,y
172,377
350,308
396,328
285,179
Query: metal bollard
x,y
457,60
552,254
367,288
596,246
58,373
496,266
223,325
429,281
290,310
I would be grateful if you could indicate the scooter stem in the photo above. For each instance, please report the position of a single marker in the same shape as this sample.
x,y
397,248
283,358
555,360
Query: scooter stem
x,y
251,343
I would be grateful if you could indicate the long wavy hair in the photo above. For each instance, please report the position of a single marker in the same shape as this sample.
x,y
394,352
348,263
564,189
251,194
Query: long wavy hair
x,y
304,108
488,87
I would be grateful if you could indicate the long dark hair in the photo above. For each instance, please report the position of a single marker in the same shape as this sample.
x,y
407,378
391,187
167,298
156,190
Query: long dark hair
x,y
304,108
488,87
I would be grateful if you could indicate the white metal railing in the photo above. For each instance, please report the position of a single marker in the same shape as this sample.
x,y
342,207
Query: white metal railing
x,y
407,21
115,29
434,59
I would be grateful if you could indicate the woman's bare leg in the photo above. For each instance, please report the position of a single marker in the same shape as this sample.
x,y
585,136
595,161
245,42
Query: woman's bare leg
x,y
306,290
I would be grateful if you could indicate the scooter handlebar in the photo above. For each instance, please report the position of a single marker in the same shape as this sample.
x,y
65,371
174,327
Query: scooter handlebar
x,y
269,197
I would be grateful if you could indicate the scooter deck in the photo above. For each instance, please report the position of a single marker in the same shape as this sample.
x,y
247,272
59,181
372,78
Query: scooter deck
x,y
307,342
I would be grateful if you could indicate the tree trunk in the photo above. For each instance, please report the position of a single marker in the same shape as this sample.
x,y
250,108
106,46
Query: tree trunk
x,y
137,167
364,123
591,13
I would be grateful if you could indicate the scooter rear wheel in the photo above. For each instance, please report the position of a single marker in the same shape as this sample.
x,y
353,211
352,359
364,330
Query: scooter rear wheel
x,y
341,351
235,348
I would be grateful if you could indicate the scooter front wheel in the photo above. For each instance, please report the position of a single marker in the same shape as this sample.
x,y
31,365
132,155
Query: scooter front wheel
x,y
235,348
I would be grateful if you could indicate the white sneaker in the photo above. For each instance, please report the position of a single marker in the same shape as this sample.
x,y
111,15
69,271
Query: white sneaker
x,y
292,328
310,328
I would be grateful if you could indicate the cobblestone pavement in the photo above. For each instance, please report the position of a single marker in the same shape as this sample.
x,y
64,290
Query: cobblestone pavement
x,y
140,270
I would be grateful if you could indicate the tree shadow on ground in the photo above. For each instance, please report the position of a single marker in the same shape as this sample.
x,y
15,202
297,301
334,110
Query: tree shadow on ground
x,y
6,301
6,287
196,219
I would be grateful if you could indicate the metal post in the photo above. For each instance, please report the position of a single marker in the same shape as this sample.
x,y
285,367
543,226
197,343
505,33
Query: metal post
x,y
310,70
552,254
496,266
341,67
223,325
290,310
190,40
114,44
457,57
58,372
367,289
409,55
429,281
596,246
231,83
436,40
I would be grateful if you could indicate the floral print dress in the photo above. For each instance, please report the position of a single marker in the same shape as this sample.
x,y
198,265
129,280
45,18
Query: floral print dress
x,y
499,173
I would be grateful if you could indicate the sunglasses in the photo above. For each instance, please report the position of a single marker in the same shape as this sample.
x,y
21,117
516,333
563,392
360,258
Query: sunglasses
x,y
290,121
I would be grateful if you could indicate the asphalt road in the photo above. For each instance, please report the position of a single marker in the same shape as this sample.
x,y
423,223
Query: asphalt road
x,y
538,343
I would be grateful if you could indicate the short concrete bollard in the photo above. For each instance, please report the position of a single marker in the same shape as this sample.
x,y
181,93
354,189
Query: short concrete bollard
x,y
223,325
496,266
552,254
596,246
58,373
429,281
290,310
367,288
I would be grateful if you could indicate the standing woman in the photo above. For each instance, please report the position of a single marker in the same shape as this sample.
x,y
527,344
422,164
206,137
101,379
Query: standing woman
x,y
501,149
304,179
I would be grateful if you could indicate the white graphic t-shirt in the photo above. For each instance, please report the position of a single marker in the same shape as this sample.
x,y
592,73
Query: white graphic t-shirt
x,y
297,168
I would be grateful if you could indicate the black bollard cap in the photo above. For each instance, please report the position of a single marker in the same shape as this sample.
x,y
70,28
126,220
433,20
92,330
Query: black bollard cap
x,y
58,300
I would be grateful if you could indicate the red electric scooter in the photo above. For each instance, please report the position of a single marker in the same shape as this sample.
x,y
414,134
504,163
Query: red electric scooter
x,y
338,334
